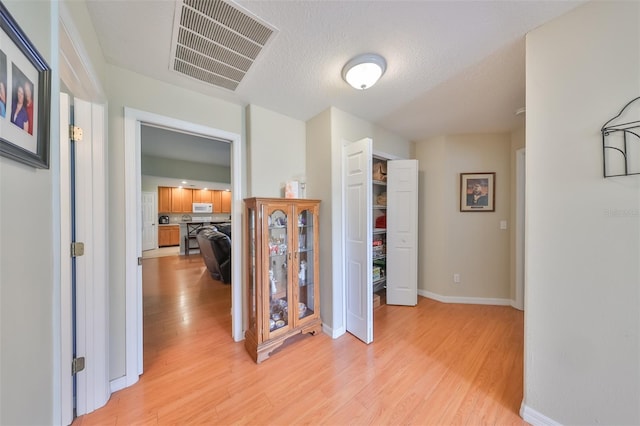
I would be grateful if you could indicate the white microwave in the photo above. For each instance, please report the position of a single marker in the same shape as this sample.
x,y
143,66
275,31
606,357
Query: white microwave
x,y
202,208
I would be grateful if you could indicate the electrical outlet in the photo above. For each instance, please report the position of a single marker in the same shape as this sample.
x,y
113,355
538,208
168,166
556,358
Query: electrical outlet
x,y
456,278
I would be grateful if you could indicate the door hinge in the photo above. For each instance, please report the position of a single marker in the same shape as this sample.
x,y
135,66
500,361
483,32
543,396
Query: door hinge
x,y
77,249
77,365
139,261
75,133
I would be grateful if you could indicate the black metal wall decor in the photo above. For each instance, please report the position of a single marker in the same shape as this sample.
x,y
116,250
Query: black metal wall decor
x,y
621,143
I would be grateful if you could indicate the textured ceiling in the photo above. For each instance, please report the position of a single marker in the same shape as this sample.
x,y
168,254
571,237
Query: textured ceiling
x,y
453,66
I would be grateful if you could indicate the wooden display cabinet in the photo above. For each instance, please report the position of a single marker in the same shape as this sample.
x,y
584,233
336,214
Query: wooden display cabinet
x,y
282,272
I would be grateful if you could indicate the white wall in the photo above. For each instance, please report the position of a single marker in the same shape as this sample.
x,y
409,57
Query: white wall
x,y
275,151
125,88
326,134
181,170
467,243
318,139
582,301
29,277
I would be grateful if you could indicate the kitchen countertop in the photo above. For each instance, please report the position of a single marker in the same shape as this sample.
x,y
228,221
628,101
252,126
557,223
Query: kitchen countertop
x,y
213,222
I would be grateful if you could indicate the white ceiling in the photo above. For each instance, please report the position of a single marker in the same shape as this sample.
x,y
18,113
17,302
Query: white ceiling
x,y
452,66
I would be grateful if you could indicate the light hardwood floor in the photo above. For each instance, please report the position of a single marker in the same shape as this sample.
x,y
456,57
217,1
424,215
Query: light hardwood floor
x,y
433,364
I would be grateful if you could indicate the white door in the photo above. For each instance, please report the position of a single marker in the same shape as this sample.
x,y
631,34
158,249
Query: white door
x,y
66,289
356,169
402,232
92,292
84,288
149,229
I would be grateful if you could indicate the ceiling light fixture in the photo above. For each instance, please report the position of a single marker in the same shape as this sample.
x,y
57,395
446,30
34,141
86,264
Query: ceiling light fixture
x,y
363,71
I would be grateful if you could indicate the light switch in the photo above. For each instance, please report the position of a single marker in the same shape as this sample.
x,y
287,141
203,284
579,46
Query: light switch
x,y
503,224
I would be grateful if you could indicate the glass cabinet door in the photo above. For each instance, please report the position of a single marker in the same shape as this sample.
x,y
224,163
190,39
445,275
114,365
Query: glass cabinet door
x,y
278,269
305,263
251,228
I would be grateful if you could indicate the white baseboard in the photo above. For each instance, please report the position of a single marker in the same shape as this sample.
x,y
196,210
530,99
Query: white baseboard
x,y
514,305
535,418
467,300
333,333
118,384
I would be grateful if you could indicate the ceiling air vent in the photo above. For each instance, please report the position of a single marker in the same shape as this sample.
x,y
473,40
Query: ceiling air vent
x,y
216,41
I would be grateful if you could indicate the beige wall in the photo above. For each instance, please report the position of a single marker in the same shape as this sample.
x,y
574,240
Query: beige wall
x,y
469,244
275,151
582,301
30,284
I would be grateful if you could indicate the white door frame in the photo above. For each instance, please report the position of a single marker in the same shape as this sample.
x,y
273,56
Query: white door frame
x,y
520,227
133,228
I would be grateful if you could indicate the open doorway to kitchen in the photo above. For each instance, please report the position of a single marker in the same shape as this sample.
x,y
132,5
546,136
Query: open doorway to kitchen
x,y
178,169
134,122
183,294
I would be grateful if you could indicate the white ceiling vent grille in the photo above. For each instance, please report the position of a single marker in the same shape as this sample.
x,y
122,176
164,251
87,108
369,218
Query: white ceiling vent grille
x,y
216,42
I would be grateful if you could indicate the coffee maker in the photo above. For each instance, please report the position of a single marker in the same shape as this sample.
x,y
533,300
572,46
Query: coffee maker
x,y
163,219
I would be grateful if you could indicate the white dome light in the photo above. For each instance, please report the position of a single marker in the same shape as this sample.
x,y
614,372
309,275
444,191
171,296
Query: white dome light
x,y
364,71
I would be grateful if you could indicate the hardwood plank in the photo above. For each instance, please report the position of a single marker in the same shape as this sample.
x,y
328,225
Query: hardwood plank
x,y
430,364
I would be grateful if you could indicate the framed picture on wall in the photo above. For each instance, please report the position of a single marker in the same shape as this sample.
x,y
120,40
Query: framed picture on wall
x,y
25,96
477,192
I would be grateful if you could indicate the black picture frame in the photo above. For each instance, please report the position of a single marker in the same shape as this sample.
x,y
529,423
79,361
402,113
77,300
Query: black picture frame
x,y
477,192
23,69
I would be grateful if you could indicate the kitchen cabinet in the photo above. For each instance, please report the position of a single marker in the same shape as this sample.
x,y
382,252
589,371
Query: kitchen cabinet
x,y
181,200
225,202
202,196
282,272
164,199
221,201
168,236
216,199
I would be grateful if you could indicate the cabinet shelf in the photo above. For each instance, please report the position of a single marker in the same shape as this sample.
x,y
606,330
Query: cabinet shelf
x,y
379,206
379,182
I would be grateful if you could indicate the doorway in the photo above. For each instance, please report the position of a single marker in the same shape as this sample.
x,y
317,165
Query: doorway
x,y
133,119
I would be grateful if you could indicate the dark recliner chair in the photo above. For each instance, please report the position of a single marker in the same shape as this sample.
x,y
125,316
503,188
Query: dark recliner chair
x,y
215,248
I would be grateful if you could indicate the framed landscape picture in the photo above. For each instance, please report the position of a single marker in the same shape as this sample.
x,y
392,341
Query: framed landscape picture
x,y
25,96
477,192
